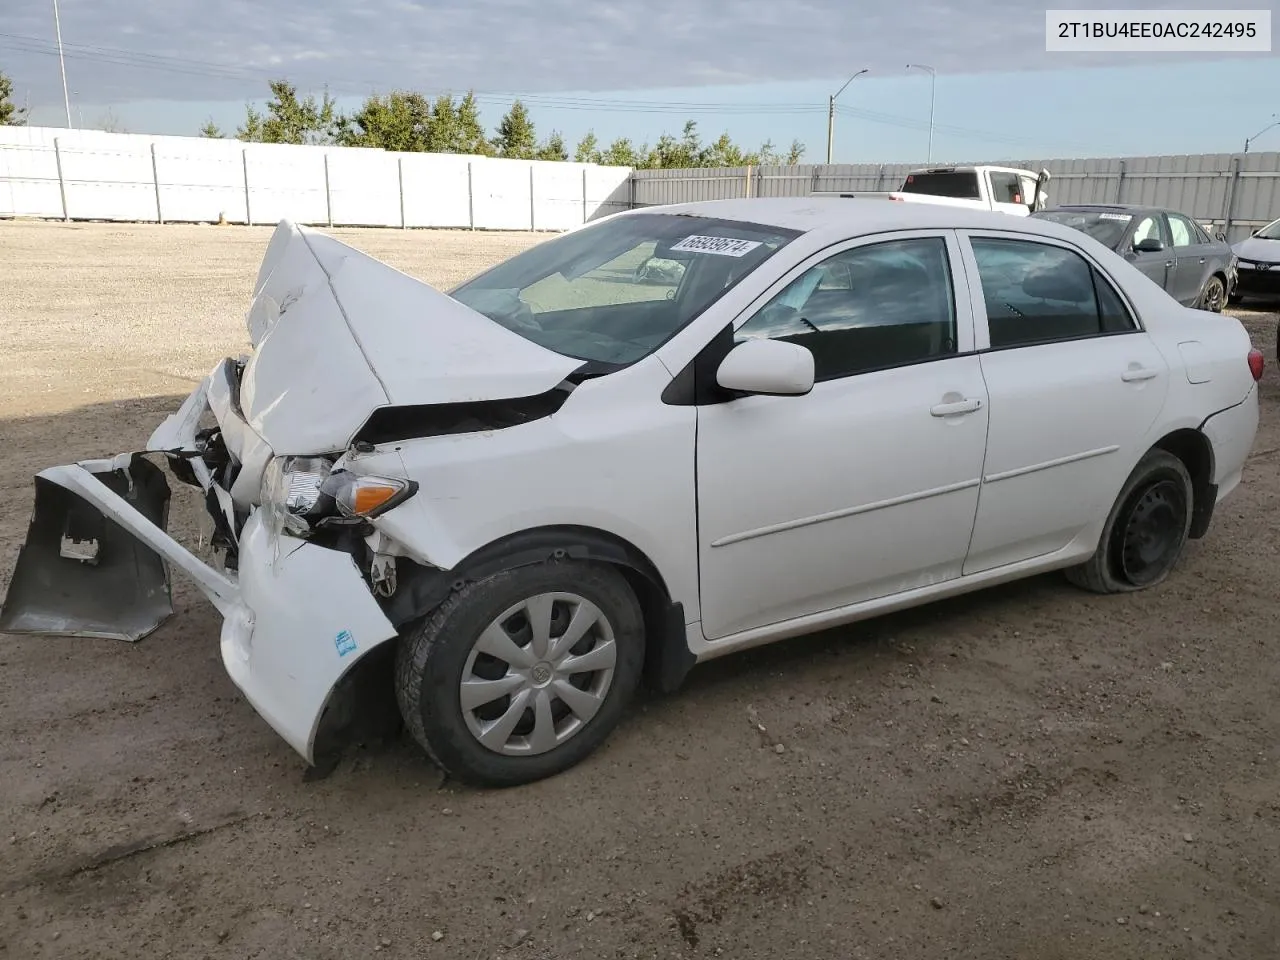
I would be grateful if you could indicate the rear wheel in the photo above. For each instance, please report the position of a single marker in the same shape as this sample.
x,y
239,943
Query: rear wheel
x,y
522,675
1145,531
1214,295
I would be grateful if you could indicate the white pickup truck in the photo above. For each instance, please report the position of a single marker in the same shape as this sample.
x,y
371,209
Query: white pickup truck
x,y
1006,189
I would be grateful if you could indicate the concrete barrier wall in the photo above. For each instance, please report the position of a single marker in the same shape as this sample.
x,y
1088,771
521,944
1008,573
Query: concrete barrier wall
x,y
91,175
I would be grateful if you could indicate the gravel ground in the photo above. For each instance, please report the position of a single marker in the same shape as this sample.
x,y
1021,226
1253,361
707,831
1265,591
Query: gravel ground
x,y
1025,772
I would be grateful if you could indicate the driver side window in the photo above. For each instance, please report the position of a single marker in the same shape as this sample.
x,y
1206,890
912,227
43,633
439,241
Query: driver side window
x,y
872,307
1150,227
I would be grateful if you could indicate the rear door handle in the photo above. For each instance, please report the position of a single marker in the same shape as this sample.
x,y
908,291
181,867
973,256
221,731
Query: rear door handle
x,y
1139,373
953,409
1170,263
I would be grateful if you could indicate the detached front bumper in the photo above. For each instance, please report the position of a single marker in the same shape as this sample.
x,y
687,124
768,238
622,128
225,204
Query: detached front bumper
x,y
296,616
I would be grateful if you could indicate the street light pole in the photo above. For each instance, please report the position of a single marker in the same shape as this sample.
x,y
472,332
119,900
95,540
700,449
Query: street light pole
x,y
933,80
831,112
62,64
1249,140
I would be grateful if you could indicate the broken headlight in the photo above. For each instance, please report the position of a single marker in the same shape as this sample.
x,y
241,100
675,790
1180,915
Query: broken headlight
x,y
301,493
291,496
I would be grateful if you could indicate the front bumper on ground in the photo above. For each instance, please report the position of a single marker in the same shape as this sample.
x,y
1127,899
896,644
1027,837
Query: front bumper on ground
x,y
96,564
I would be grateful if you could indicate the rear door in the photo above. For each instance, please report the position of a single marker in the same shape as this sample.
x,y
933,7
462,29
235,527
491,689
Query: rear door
x,y
1074,384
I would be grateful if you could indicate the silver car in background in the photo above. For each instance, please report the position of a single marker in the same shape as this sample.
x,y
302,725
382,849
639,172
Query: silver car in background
x,y
1172,249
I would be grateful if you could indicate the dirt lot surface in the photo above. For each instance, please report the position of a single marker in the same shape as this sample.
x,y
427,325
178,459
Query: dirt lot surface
x,y
1029,772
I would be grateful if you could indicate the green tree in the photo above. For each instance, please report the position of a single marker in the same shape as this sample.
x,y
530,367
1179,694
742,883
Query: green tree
x,y
588,149
212,130
400,120
444,132
516,138
553,148
11,115
291,120
471,135
621,153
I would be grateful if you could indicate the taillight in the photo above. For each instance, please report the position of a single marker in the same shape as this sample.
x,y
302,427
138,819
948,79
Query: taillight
x,y
1255,363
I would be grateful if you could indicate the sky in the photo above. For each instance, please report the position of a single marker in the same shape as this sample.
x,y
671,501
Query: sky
x,y
758,70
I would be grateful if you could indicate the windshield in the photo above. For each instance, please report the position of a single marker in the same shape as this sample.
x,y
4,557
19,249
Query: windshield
x,y
1106,228
616,291
1271,231
962,185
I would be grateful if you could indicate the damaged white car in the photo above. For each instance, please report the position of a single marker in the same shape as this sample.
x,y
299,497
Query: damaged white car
x,y
510,503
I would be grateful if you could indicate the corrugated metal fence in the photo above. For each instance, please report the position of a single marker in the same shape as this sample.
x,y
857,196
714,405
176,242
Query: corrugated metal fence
x,y
1234,193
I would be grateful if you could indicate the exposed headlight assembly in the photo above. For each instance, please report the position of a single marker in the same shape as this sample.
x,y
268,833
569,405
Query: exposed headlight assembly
x,y
301,494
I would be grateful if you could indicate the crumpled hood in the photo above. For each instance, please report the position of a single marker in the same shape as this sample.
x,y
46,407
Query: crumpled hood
x,y
338,333
1255,248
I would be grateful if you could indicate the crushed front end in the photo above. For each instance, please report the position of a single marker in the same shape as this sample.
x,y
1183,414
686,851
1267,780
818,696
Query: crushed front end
x,y
296,585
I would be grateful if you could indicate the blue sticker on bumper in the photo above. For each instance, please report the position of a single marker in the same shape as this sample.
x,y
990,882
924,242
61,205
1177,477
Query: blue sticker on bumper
x,y
345,643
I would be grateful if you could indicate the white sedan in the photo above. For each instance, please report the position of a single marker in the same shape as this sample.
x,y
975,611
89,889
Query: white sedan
x,y
510,503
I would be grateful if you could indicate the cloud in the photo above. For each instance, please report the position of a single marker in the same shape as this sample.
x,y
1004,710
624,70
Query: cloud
x,y
122,50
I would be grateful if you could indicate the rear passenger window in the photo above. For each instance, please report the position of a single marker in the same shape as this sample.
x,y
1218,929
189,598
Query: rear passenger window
x,y
1037,293
875,306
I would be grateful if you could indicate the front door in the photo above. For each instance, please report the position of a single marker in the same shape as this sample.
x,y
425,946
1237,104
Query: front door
x,y
1159,265
1074,386
868,485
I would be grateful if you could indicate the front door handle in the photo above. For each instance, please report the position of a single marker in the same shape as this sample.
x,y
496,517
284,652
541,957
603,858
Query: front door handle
x,y
1202,259
1170,263
956,408
1139,373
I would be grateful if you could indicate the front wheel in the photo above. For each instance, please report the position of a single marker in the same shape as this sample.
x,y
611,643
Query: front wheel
x,y
1145,531
520,676
1214,295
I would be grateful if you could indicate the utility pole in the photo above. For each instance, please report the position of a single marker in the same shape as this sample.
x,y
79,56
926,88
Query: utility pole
x,y
62,64
933,80
831,112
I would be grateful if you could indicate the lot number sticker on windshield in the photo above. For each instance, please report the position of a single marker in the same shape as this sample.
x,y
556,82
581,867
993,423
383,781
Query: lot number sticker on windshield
x,y
720,246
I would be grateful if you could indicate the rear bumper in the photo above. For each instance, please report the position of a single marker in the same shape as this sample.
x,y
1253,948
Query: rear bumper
x,y
296,616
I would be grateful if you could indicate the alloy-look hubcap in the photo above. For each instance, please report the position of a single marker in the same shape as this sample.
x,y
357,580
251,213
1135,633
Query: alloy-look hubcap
x,y
538,673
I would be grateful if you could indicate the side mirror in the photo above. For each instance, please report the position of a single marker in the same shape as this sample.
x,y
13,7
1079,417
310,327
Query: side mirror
x,y
771,367
1149,245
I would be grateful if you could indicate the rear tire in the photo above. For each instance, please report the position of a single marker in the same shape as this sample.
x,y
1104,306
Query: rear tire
x,y
528,713
1145,531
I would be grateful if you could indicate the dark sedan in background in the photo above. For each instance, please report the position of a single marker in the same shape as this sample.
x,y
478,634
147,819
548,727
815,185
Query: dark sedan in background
x,y
1194,268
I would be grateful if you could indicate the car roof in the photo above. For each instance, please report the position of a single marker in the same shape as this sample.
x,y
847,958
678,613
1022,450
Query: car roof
x,y
866,215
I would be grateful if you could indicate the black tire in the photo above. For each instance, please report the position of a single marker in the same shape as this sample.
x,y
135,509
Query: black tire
x,y
1214,294
1158,494
434,652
